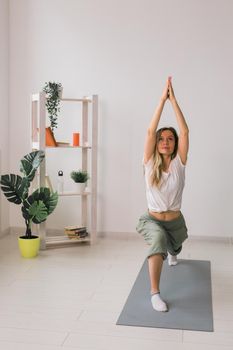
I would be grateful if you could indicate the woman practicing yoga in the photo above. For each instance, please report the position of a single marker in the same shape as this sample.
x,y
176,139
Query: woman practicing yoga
x,y
163,225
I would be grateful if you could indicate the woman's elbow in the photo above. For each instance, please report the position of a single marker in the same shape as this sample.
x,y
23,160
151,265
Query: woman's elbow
x,y
185,131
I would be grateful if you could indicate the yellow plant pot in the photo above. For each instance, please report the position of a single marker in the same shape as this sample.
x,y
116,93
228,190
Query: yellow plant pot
x,y
29,247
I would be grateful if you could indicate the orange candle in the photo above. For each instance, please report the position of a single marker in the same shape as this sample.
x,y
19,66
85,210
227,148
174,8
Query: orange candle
x,y
76,139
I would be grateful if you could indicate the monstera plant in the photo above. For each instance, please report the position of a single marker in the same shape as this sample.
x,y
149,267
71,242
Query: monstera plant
x,y
35,206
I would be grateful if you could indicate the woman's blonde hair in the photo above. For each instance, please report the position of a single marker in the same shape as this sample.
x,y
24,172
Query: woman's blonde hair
x,y
158,164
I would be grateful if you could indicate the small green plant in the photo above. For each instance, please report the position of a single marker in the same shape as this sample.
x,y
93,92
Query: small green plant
x,y
53,91
37,206
79,176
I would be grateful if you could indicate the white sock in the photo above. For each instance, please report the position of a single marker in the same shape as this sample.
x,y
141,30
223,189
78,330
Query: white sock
x,y
157,303
172,260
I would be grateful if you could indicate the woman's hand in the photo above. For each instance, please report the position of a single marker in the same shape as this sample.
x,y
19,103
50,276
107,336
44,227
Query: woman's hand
x,y
165,91
171,94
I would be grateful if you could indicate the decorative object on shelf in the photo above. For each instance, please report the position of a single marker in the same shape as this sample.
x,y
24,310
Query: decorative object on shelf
x,y
76,232
50,140
80,178
76,139
62,144
60,182
35,206
54,93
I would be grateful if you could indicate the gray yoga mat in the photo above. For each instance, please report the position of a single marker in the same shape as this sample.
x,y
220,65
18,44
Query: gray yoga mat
x,y
186,288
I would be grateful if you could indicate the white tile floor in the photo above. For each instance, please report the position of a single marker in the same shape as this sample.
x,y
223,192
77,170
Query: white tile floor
x,y
71,297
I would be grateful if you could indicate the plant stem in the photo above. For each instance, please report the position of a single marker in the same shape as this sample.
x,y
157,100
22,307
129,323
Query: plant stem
x,y
28,229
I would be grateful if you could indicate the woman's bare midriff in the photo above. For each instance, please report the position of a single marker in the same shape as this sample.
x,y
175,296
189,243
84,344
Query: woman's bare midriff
x,y
165,215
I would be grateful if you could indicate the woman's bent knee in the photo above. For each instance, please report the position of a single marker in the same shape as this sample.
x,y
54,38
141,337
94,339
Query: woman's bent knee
x,y
154,235
158,246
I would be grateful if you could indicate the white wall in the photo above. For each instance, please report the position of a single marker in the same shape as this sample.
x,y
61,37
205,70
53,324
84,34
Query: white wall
x,y
4,153
123,51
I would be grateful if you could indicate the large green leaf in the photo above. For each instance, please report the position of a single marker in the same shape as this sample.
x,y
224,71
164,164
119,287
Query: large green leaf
x,y
53,200
35,211
30,163
49,198
42,201
38,212
14,187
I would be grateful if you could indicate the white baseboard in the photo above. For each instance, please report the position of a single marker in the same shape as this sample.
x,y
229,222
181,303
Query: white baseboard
x,y
17,230
21,231
5,232
212,239
118,235
55,232
121,235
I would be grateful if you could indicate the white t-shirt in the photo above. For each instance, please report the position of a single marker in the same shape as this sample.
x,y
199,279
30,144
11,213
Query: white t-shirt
x,y
169,195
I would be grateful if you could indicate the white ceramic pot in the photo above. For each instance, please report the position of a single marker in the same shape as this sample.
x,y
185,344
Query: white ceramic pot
x,y
80,187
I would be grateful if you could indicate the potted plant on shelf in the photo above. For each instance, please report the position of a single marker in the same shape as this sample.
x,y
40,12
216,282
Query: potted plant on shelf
x,y
35,207
80,178
53,93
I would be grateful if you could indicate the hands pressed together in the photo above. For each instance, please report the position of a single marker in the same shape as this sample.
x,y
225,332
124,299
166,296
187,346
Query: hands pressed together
x,y
168,92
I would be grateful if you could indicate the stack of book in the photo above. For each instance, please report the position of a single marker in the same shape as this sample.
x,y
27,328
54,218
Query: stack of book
x,y
76,231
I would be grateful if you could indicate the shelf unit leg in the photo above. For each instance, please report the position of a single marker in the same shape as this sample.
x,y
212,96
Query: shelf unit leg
x,y
84,157
94,168
41,122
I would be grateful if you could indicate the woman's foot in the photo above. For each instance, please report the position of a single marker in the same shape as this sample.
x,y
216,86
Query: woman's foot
x,y
172,260
157,303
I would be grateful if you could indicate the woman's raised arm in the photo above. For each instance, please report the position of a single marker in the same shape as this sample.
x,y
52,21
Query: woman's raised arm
x,y
183,144
150,136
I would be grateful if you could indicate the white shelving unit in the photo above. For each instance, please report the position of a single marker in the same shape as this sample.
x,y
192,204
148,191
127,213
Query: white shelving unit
x,y
38,125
